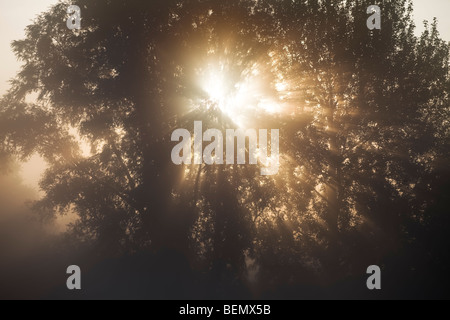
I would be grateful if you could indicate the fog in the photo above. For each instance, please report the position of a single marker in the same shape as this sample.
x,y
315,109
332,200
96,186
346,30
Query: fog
x,y
32,259
25,243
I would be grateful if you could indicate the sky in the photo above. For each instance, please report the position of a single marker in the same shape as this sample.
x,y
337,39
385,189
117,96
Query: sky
x,y
16,15
428,9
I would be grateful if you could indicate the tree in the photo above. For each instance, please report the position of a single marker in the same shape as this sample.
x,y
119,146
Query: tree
x,y
362,117
369,133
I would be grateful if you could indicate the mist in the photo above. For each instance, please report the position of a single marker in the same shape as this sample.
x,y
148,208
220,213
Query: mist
x,y
26,244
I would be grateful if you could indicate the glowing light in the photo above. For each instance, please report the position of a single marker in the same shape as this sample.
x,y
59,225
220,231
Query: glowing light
x,y
269,106
242,98
215,87
281,86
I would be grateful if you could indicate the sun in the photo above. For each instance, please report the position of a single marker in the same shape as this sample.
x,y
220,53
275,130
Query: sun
x,y
217,86
240,99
